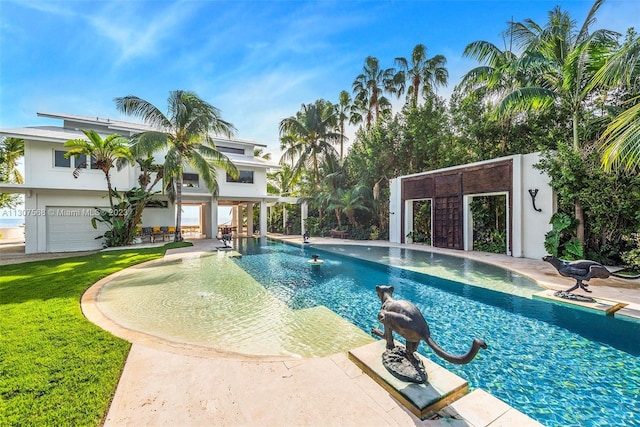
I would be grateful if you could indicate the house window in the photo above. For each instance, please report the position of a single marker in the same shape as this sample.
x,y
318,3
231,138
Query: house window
x,y
191,180
60,161
93,163
80,161
245,177
231,150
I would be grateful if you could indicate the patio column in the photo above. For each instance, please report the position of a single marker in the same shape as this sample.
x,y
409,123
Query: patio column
x,y
304,213
284,218
212,214
249,218
263,219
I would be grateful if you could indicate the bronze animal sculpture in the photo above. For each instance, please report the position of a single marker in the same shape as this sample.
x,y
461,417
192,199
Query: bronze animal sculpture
x,y
226,239
404,318
582,270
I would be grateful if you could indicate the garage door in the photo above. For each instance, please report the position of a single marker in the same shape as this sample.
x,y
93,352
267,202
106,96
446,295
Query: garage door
x,y
69,229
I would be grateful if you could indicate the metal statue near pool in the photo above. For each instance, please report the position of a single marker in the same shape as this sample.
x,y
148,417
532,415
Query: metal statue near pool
x,y
404,318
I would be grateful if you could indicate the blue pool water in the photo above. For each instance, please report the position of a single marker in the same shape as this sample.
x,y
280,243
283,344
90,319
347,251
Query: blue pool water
x,y
559,365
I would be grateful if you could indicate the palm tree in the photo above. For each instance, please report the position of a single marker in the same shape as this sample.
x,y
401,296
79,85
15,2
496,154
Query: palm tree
x,y
620,142
259,152
310,137
492,81
283,181
185,134
563,62
102,154
369,88
348,201
11,149
343,109
421,71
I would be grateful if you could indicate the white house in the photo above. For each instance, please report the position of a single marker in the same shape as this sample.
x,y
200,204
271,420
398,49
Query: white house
x,y
530,203
58,207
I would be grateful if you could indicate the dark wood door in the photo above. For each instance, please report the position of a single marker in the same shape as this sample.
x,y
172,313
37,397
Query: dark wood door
x,y
447,223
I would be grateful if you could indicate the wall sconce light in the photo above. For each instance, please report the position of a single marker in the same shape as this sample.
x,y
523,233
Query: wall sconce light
x,y
533,193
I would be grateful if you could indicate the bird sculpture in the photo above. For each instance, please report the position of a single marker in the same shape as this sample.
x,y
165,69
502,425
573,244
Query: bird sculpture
x,y
582,270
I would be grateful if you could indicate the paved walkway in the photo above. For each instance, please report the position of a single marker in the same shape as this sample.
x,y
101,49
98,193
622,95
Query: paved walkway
x,y
171,384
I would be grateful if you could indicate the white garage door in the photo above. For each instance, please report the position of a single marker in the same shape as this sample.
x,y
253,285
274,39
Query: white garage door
x,y
69,229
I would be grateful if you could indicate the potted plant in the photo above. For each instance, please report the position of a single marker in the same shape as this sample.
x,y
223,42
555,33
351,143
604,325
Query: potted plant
x,y
410,236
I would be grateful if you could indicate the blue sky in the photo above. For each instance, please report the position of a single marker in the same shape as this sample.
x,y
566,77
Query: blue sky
x,y
257,61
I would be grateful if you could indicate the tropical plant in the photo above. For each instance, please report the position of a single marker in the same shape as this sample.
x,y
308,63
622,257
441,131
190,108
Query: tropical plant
x,y
309,136
369,88
422,73
620,142
631,258
11,149
186,135
562,63
259,152
343,112
103,154
347,202
560,242
282,182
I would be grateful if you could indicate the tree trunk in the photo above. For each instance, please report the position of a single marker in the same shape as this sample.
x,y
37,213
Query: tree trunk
x,y
106,174
577,204
579,213
178,236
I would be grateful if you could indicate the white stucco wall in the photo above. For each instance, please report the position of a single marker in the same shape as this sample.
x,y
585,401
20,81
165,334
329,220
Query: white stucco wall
x,y
40,171
243,190
535,225
395,211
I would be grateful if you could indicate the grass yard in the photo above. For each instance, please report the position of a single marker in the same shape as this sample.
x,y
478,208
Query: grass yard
x,y
57,368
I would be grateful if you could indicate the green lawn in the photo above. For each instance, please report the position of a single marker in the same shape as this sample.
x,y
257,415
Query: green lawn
x,y
57,368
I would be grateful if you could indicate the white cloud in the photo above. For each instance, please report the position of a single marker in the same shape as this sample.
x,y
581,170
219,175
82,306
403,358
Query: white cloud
x,y
137,33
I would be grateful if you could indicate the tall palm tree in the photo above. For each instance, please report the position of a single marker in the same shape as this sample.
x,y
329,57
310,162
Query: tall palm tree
x,y
620,142
310,136
343,109
498,76
369,88
11,149
421,71
186,135
102,154
563,60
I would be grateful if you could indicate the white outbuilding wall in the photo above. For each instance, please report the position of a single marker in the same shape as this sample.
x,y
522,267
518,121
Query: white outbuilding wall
x,y
528,224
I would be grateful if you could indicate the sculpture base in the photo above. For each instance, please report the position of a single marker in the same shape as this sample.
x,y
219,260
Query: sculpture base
x,y
573,297
396,362
600,305
422,400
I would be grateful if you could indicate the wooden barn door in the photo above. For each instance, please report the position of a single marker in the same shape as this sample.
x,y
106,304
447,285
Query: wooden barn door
x,y
448,222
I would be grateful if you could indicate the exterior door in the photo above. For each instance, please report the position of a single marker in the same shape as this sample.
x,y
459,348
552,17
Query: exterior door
x,y
448,222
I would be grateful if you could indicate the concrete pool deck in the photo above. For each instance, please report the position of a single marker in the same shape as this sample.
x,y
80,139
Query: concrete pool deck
x,y
172,384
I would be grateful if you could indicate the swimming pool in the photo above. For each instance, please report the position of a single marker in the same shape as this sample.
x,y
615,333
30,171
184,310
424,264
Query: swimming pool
x,y
559,365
